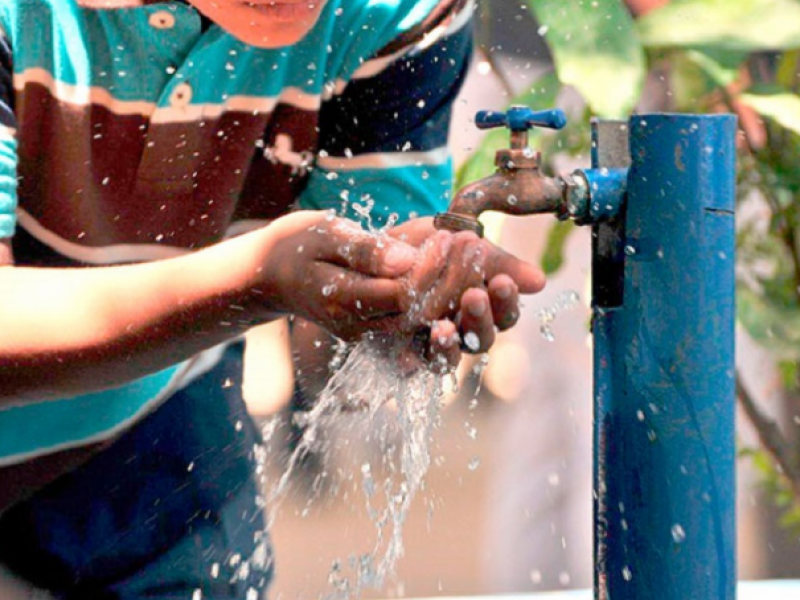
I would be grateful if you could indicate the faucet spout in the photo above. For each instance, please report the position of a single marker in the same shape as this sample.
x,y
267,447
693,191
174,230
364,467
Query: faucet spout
x,y
510,191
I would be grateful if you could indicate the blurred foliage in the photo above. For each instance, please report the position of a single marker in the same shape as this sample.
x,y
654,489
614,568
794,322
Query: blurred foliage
x,y
706,56
775,486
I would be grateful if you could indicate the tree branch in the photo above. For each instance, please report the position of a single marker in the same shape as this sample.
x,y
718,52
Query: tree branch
x,y
770,437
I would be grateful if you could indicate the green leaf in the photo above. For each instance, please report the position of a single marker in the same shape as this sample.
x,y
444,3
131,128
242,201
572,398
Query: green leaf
x,y
553,256
719,65
775,103
595,49
774,326
788,72
789,372
743,25
694,74
541,95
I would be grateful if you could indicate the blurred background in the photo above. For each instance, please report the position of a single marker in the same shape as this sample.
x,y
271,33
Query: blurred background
x,y
506,505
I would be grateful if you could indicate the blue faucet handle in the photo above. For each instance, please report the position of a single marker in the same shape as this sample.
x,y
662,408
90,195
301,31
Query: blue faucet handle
x,y
521,118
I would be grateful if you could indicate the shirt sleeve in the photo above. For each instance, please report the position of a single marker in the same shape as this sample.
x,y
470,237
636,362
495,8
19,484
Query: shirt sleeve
x,y
383,138
8,142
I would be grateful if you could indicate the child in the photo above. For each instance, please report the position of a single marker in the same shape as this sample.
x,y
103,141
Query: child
x,y
167,143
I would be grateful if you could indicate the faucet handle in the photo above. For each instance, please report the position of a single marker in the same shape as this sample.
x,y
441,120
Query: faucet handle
x,y
521,118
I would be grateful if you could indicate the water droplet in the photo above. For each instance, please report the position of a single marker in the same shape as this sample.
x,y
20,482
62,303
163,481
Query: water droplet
x,y
630,250
197,594
542,31
678,534
215,570
472,341
474,463
626,573
640,415
328,289
512,199
484,67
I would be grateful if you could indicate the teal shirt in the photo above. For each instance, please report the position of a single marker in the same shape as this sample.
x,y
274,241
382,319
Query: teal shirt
x,y
132,134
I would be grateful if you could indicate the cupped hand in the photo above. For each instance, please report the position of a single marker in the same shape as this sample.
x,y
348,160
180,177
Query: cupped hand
x,y
465,288
330,271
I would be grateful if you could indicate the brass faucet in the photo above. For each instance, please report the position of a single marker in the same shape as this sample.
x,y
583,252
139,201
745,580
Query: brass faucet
x,y
518,187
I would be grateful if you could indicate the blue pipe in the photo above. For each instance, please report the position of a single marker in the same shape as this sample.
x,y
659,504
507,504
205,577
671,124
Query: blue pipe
x,y
663,328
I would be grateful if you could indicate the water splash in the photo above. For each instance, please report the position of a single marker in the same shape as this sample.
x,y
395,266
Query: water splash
x,y
377,376
566,300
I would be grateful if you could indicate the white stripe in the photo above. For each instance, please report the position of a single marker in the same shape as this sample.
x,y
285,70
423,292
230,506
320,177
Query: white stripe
x,y
7,134
81,95
247,104
300,99
387,160
101,255
120,253
460,20
373,67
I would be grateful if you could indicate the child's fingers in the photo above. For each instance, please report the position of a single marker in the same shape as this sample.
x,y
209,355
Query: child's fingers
x,y
528,278
444,350
476,322
346,245
504,298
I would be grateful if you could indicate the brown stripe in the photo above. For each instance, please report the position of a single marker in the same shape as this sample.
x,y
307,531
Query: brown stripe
x,y
96,178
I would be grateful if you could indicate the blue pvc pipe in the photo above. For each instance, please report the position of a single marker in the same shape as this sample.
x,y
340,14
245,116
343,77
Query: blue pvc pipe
x,y
664,370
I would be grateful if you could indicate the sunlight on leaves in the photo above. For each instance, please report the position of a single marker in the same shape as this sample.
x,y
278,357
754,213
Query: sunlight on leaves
x,y
776,103
596,50
743,25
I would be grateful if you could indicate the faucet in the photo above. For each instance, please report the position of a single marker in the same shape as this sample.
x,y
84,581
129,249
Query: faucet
x,y
517,187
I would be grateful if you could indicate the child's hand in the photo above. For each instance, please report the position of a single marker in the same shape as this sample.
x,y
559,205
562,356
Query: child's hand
x,y
330,271
466,287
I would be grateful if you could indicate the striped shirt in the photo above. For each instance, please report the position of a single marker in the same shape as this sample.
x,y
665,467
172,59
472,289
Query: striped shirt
x,y
133,130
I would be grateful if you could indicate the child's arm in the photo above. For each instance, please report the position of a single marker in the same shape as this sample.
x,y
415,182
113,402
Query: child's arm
x,y
71,331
